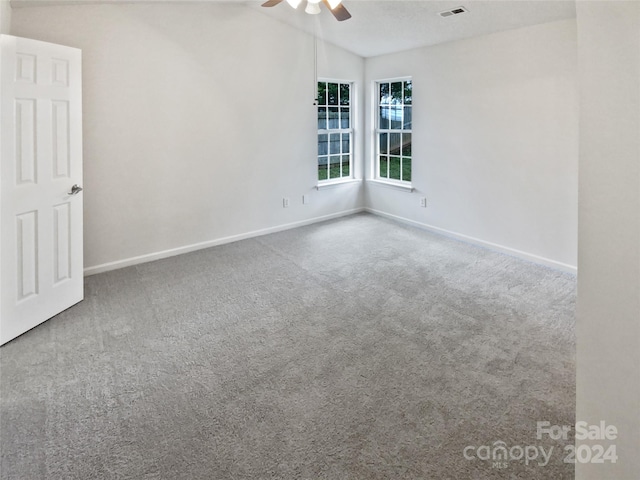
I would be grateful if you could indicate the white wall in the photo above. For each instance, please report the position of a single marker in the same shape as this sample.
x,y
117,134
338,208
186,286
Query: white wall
x,y
608,327
495,140
5,16
337,64
198,120
181,147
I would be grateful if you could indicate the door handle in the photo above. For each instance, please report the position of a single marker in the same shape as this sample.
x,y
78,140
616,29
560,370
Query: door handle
x,y
76,189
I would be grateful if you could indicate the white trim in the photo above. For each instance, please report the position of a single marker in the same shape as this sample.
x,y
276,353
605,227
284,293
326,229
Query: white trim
x,y
385,183
333,183
105,267
393,79
476,241
335,80
150,257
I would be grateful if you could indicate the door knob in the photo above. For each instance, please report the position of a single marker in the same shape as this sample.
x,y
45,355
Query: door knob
x,y
76,189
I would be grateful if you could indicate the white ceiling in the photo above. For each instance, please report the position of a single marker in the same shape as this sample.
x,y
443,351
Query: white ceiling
x,y
380,27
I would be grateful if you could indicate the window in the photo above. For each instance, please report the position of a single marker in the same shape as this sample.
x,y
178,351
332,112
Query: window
x,y
393,130
335,135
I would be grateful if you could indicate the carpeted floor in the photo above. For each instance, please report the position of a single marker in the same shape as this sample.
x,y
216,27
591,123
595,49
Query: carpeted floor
x,y
353,349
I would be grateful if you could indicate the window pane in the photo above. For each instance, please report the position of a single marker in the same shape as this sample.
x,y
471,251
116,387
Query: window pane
x,y
346,167
384,165
394,168
407,118
322,144
383,121
384,94
406,144
322,93
408,92
322,168
345,114
384,143
406,169
396,92
334,143
333,118
345,94
395,140
322,118
334,114
346,143
396,117
334,166
332,93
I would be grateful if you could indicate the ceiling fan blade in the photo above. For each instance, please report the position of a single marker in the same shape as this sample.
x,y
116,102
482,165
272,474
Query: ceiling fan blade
x,y
271,3
340,12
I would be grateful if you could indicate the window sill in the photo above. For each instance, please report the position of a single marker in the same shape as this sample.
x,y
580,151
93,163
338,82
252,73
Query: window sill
x,y
400,186
323,185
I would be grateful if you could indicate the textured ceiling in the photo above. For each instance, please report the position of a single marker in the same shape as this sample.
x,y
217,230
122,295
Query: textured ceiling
x,y
380,27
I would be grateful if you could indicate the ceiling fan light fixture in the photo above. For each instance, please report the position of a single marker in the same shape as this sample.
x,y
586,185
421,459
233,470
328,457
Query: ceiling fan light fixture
x,y
313,7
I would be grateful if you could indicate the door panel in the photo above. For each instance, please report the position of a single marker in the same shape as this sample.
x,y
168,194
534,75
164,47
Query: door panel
x,y
62,239
41,264
25,125
60,136
27,255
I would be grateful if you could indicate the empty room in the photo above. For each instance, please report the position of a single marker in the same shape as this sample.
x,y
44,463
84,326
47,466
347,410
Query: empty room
x,y
320,239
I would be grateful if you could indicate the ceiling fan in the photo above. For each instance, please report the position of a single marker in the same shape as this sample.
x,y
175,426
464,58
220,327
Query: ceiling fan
x,y
313,7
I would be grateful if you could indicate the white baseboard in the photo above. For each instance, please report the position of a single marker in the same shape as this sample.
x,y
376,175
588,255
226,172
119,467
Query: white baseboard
x,y
150,257
105,267
476,241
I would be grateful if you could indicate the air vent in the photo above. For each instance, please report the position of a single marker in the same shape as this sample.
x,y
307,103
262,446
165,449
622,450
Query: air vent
x,y
453,11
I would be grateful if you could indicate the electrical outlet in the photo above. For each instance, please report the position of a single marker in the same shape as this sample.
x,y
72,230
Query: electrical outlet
x,y
306,200
423,201
285,202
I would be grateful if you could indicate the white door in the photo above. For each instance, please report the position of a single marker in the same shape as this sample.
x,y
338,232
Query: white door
x,y
41,264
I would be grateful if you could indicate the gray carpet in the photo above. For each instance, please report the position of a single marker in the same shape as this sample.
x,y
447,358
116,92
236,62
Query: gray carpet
x,y
353,349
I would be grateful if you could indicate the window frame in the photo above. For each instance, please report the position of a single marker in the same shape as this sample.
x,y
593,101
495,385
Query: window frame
x,y
341,131
377,131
